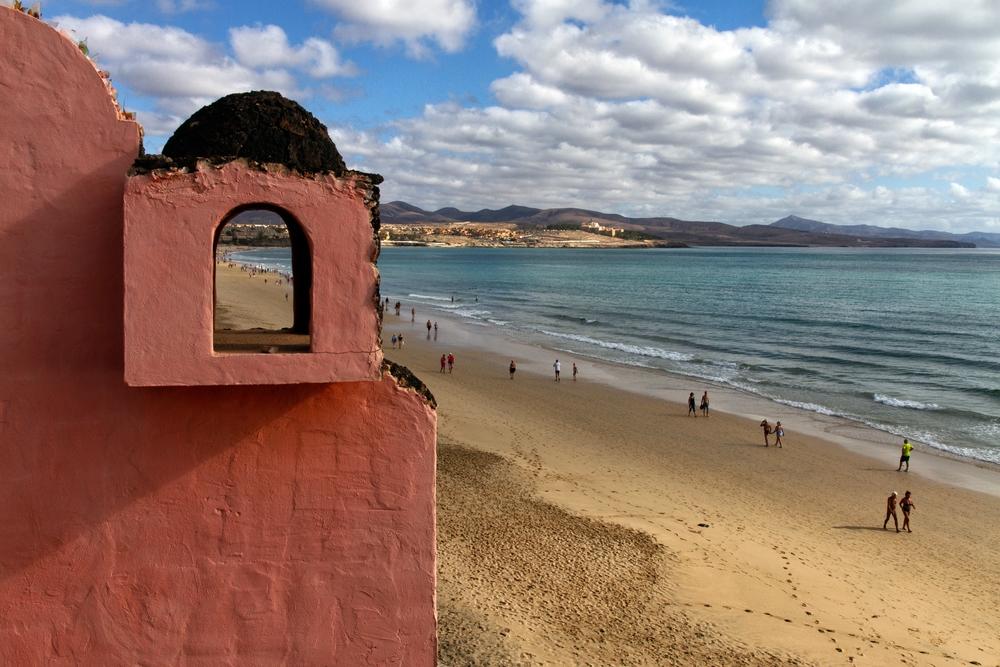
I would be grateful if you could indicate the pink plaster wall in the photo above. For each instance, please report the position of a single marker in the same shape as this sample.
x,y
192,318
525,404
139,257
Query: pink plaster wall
x,y
218,525
170,223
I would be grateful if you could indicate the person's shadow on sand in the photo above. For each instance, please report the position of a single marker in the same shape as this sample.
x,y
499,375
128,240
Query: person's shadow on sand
x,y
857,528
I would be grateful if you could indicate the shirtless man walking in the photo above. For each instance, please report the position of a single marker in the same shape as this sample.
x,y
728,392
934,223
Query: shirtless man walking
x,y
766,425
890,511
906,504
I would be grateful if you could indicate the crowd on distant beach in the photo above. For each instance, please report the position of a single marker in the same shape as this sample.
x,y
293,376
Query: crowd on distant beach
x,y
254,270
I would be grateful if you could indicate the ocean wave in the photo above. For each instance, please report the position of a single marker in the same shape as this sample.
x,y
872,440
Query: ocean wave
x,y
900,403
433,298
623,347
473,314
820,409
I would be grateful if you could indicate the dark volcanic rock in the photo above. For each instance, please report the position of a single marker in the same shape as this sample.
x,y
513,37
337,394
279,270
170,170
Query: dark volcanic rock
x,y
261,126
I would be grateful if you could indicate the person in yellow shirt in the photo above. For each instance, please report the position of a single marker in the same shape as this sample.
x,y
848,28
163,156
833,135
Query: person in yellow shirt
x,y
905,458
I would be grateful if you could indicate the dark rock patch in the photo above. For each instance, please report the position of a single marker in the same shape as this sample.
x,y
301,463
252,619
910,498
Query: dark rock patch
x,y
261,126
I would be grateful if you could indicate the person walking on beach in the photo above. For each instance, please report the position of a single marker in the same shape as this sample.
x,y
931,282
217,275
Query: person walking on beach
x,y
398,304
890,511
692,410
428,329
778,432
393,341
704,404
574,372
906,504
401,341
905,458
558,368
443,362
766,425
513,368
451,362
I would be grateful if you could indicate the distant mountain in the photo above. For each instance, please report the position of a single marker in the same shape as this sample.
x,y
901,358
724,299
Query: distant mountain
x,y
981,239
697,233
508,214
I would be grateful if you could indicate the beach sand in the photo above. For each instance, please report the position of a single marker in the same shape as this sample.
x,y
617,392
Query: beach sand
x,y
580,523
243,302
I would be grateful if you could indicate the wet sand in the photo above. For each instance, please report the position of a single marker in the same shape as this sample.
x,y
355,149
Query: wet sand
x,y
580,523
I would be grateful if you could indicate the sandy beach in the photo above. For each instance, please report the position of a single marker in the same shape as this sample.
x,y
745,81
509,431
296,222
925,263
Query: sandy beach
x,y
595,523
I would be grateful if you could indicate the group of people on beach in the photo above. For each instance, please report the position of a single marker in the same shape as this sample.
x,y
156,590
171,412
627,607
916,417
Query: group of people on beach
x,y
557,367
692,410
776,429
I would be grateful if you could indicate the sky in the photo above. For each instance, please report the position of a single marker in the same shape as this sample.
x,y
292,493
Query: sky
x,y
883,112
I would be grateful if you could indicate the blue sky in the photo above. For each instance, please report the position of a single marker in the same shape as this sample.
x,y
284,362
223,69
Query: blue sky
x,y
851,111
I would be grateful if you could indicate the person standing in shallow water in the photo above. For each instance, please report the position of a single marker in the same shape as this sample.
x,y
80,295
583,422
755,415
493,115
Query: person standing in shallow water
x,y
906,504
513,369
890,511
428,328
692,410
905,458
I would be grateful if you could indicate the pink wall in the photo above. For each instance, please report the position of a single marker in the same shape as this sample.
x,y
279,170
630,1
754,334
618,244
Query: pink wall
x,y
219,525
170,223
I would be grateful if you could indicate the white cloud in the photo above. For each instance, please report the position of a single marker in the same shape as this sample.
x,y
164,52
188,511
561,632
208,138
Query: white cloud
x,y
178,6
624,107
181,72
268,47
415,22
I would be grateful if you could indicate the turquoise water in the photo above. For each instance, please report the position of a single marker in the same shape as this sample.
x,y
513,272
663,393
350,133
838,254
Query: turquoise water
x,y
905,340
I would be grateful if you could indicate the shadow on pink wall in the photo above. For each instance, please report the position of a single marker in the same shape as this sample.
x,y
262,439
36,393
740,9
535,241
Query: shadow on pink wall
x,y
283,524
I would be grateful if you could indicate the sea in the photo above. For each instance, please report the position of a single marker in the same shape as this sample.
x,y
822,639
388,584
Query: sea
x,y
903,340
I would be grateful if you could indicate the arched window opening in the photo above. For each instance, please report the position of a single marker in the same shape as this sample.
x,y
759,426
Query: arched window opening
x,y
263,280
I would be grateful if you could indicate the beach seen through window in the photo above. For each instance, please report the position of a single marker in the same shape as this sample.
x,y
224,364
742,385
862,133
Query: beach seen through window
x,y
257,309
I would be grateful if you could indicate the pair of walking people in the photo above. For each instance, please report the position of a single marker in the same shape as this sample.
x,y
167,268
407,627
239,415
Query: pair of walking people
x,y
703,406
905,504
768,430
449,361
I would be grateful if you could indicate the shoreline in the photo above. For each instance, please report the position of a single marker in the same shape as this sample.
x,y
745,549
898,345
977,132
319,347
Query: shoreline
x,y
855,436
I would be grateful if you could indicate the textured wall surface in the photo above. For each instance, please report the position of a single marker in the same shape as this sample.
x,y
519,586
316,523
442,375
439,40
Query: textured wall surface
x,y
247,525
170,224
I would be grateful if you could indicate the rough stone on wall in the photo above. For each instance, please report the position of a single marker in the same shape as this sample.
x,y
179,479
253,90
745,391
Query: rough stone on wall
x,y
262,126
